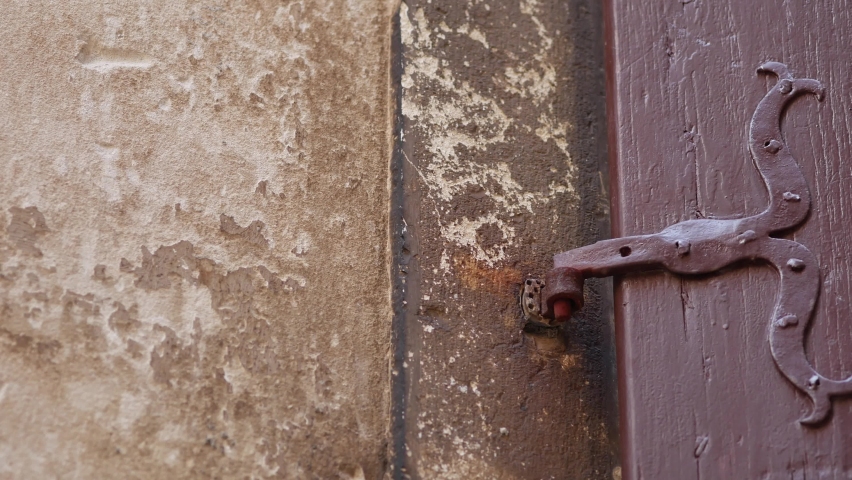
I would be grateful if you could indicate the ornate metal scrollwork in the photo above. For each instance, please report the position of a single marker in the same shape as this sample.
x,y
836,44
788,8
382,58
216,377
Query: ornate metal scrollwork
x,y
706,245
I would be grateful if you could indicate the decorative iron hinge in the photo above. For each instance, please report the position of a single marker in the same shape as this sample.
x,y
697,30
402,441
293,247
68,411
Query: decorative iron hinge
x,y
706,245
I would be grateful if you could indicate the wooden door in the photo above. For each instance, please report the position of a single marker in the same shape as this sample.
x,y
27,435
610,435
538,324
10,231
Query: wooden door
x,y
701,396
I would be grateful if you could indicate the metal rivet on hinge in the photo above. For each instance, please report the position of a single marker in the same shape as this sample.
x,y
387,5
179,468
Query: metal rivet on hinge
x,y
796,264
813,382
772,146
791,197
683,247
788,321
746,237
785,86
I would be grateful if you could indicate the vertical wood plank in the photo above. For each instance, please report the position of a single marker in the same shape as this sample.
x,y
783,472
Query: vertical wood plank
x,y
701,396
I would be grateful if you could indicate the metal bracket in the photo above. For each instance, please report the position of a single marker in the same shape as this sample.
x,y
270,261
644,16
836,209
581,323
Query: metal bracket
x,y
531,301
706,245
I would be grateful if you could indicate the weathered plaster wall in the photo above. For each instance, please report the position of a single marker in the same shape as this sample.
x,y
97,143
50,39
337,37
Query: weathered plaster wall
x,y
193,243
502,165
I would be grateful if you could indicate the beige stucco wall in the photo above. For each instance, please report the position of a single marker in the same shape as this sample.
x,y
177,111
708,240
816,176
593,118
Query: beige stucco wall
x,y
193,238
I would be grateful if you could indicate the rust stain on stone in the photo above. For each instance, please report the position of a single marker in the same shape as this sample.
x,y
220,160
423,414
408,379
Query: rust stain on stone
x,y
477,275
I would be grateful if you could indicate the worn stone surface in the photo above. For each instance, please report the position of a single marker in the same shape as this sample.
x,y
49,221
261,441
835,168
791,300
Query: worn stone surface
x,y
193,247
499,167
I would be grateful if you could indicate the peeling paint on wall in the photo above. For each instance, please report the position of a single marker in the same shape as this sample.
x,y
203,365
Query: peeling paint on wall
x,y
193,218
500,157
456,116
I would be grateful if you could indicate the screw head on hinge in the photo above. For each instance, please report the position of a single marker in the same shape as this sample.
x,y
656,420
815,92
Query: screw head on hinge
x,y
773,146
796,265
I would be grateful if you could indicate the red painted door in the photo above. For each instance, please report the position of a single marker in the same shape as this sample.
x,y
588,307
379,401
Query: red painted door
x,y
701,394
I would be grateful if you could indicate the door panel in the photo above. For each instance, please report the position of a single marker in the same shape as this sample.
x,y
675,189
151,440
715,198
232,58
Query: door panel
x,y
700,394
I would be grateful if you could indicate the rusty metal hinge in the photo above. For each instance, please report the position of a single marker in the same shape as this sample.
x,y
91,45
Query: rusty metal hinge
x,y
706,245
